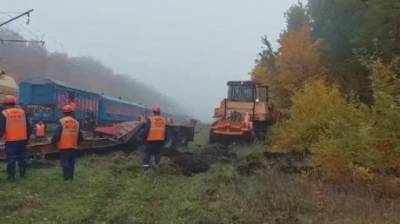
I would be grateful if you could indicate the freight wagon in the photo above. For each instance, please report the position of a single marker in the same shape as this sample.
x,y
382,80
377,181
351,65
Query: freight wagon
x,y
116,110
44,98
112,121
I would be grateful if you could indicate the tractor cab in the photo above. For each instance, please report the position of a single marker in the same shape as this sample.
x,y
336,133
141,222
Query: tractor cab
x,y
245,113
245,98
247,91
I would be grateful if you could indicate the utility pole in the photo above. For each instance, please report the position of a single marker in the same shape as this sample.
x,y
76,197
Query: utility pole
x,y
27,13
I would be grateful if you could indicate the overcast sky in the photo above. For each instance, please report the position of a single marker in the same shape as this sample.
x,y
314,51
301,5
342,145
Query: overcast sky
x,y
186,49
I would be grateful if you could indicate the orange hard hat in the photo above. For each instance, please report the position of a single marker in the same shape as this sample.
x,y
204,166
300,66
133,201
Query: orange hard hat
x,y
9,99
68,109
156,109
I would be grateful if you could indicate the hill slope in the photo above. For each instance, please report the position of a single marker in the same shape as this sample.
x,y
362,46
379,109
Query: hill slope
x,y
30,60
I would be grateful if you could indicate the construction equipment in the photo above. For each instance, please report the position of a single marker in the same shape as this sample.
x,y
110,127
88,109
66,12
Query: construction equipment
x,y
245,115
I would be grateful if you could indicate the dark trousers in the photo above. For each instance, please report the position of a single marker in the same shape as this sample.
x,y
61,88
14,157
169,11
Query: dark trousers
x,y
152,149
15,153
67,162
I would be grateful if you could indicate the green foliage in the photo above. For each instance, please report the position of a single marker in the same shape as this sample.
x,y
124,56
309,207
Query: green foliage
x,y
380,31
296,17
352,30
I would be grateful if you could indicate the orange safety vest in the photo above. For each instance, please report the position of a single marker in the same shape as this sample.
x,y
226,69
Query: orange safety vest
x,y
69,133
157,129
40,130
16,129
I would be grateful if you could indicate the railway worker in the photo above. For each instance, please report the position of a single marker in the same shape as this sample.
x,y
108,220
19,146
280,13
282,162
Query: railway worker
x,y
15,128
67,138
40,130
155,138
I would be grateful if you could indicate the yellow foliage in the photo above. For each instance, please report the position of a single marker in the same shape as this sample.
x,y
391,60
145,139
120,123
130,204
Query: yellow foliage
x,y
297,61
262,74
346,138
312,110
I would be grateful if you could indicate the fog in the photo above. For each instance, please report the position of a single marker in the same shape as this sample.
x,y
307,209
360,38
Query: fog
x,y
187,50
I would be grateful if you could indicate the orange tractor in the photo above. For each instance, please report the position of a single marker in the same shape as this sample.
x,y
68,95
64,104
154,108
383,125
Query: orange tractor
x,y
245,115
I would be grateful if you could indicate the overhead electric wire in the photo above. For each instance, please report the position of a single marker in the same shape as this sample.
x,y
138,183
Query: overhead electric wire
x,y
23,41
27,13
10,12
26,28
20,29
37,34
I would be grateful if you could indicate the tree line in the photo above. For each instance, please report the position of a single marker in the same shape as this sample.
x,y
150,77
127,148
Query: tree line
x,y
25,61
336,77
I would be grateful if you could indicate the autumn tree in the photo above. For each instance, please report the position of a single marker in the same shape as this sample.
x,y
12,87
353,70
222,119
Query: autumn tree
x,y
265,70
291,66
298,59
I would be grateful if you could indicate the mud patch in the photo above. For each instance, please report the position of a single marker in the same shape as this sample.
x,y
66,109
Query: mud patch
x,y
193,163
250,165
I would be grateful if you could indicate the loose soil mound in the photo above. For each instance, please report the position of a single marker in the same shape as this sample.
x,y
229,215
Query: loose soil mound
x,y
192,163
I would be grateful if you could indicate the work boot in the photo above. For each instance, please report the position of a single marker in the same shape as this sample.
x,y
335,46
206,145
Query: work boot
x,y
145,169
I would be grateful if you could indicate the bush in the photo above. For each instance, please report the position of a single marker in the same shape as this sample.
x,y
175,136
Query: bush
x,y
345,136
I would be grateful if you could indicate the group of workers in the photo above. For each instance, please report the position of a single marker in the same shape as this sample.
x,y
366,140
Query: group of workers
x,y
15,129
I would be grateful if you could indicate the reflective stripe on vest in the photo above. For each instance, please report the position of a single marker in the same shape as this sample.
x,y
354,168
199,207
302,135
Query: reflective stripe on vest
x,y
69,134
40,130
157,129
16,129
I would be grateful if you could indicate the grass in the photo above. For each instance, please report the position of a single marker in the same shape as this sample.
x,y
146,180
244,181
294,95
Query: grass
x,y
113,189
249,189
